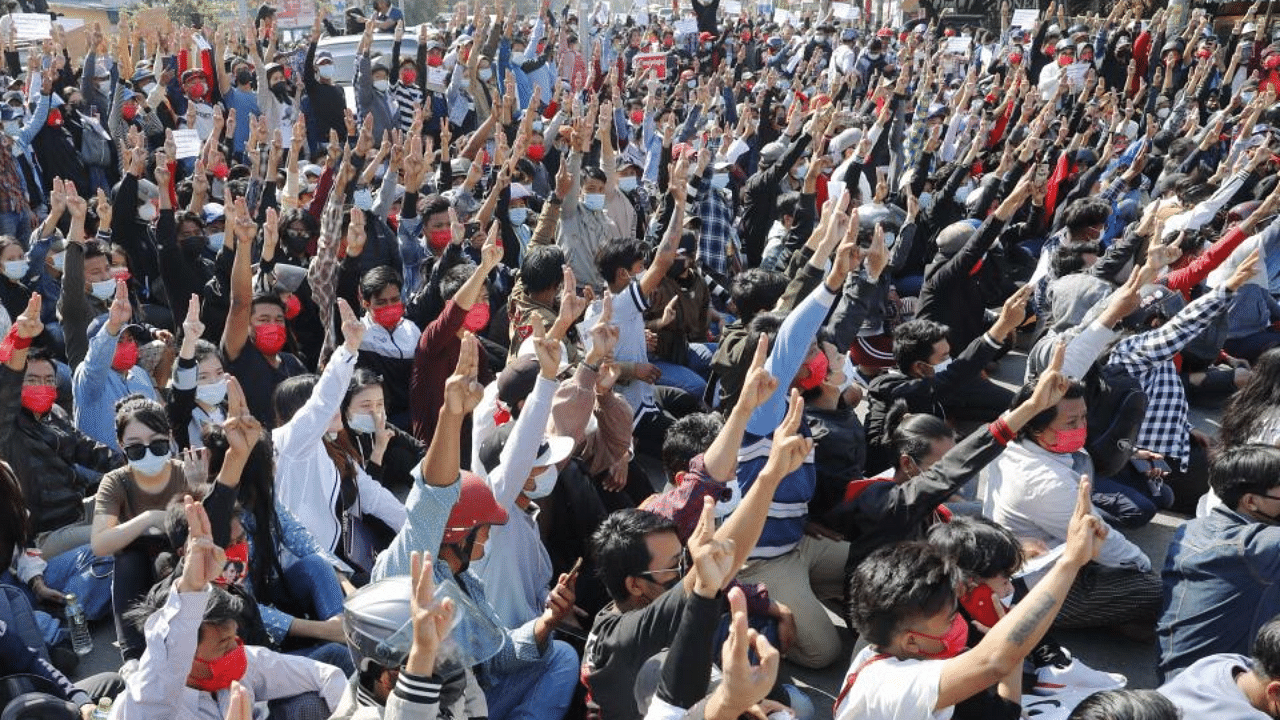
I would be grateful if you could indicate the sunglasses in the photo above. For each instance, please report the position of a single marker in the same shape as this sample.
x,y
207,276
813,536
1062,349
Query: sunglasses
x,y
137,451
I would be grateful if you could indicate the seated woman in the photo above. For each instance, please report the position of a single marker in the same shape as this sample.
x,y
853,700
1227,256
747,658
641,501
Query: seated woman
x,y
199,392
386,452
317,472
131,508
1029,490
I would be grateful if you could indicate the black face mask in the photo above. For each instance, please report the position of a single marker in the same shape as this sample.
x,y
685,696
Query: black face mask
x,y
280,89
194,245
296,244
244,77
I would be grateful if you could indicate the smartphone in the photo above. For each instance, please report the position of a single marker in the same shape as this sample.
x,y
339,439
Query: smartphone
x,y
980,604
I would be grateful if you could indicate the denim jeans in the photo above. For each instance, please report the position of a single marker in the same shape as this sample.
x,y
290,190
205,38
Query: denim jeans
x,y
311,581
332,653
540,692
17,224
691,378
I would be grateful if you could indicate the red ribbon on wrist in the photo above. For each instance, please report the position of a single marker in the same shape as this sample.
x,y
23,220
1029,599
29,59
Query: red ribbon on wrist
x,y
12,341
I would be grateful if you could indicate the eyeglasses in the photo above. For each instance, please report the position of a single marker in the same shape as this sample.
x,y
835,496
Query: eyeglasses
x,y
680,568
137,451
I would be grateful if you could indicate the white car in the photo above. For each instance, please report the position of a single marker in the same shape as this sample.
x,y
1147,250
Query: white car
x,y
343,50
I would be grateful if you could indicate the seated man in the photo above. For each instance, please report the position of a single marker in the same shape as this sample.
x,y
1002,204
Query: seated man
x,y
193,627
903,601
1231,686
1218,577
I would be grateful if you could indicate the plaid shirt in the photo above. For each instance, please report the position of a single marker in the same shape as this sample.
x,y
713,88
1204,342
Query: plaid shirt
x,y
718,241
1149,358
13,187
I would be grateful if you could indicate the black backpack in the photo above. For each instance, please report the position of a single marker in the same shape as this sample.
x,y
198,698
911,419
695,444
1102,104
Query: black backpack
x,y
1117,405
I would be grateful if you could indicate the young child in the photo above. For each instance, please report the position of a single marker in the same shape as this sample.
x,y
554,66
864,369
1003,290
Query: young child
x,y
988,557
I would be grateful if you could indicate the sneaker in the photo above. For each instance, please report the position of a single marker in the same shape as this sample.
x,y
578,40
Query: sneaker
x,y
1075,675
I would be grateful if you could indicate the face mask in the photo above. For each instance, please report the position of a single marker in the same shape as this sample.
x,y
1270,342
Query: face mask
x,y
940,367
331,436
147,213
693,84
104,86
818,366
55,118
196,91
438,240
485,74
517,215
126,356
103,289
408,77
873,56
59,261
16,269
593,201
216,241
224,670
362,423
536,152
149,464
720,181
363,199
269,338
39,399
129,112
1162,113
435,61
244,77
628,183
1063,60
784,85
325,71
280,89
12,127
213,393
477,317
953,642
543,484
798,172
1069,441
292,307
382,85
388,316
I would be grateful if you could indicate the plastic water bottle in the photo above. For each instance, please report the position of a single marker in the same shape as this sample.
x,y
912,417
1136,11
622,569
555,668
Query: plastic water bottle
x,y
81,640
103,711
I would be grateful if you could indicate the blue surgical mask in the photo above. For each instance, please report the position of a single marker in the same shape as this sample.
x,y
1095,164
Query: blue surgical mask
x,y
544,483
362,423
216,240
941,366
104,290
518,215
485,74
59,261
213,393
16,269
627,183
720,181
593,201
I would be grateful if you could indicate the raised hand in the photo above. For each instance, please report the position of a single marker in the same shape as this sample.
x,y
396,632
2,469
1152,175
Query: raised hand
x,y
192,328
1085,533
1244,271
491,251
759,384
462,391
1052,385
744,684
28,325
121,311
356,235
604,334
203,561
430,619
352,328
240,706
712,559
790,448
877,256
547,350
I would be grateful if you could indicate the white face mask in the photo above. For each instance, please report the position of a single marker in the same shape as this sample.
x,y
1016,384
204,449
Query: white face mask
x,y
720,181
485,74
104,86
362,423
941,366
59,261
518,215
1162,113
543,484
16,269
593,201
12,127
799,171
326,71
103,289
363,199
213,393
382,85
147,212
331,435
216,240
627,183
150,464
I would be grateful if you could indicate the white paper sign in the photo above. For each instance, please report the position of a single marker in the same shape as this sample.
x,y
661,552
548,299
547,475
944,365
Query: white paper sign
x,y
844,11
188,143
781,17
1075,73
32,26
731,7
686,27
958,45
1024,18
437,79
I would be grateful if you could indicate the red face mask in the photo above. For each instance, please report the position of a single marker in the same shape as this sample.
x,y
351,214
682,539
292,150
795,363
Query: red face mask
x,y
129,112
438,240
224,670
55,118
39,399
408,77
817,366
1069,441
1065,60
197,90
536,152
953,642
435,60
269,338
637,116
292,307
221,171
388,316
126,356
668,42
477,317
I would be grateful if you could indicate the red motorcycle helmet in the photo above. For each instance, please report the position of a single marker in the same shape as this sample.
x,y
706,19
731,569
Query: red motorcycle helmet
x,y
476,506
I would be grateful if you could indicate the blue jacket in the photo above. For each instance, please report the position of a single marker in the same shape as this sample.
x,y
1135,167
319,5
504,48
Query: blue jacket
x,y
1220,585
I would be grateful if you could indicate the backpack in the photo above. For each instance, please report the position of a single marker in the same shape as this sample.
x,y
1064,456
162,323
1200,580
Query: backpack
x,y
95,144
1116,405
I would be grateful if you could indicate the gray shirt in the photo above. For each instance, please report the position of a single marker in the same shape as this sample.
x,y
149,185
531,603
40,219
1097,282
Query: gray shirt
x,y
1208,689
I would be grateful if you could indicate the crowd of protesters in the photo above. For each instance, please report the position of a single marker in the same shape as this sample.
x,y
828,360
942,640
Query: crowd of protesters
x,y
548,362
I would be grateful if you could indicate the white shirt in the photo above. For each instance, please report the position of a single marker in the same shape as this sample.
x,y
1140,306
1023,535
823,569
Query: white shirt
x,y
1032,492
158,689
892,689
399,343
307,480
